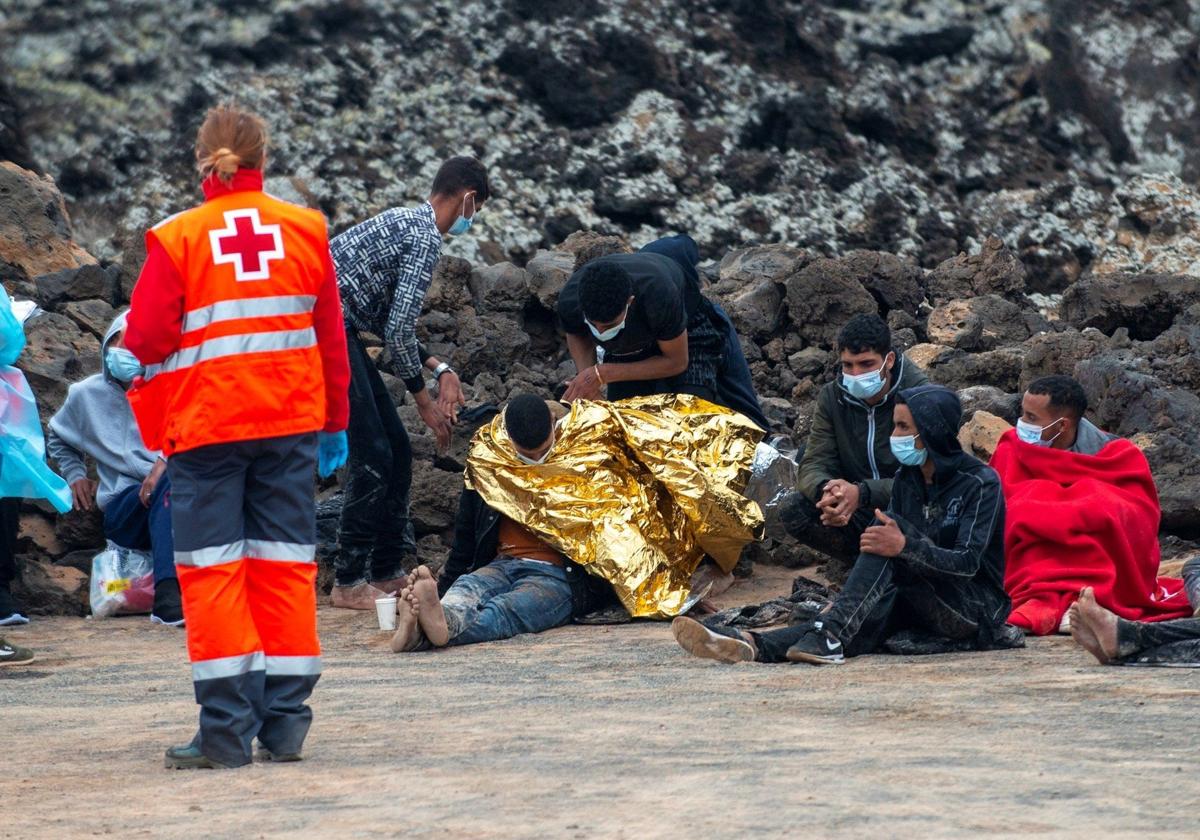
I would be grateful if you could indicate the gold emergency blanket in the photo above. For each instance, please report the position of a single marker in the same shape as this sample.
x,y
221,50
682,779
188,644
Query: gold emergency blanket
x,y
638,491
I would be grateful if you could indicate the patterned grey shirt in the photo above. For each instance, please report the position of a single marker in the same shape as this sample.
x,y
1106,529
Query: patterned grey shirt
x,y
384,266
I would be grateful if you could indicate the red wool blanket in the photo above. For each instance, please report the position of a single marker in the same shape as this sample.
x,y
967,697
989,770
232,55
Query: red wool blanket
x,y
1082,520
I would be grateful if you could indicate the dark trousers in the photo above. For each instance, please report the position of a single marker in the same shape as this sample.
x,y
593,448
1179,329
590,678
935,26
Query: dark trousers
x,y
375,532
10,514
131,525
244,516
1159,642
802,519
880,598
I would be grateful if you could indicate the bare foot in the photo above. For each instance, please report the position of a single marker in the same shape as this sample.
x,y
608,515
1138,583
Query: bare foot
x,y
408,627
359,597
1082,633
390,587
419,573
429,609
1101,623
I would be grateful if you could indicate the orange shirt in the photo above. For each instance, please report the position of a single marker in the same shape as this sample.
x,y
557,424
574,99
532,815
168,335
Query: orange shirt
x,y
518,541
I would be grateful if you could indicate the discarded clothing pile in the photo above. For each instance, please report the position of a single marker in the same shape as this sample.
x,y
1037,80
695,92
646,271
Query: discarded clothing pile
x,y
637,491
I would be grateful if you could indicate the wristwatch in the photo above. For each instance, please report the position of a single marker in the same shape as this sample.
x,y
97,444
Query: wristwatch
x,y
440,369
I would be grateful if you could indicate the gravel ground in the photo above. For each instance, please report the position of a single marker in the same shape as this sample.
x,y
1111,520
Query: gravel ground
x,y
604,732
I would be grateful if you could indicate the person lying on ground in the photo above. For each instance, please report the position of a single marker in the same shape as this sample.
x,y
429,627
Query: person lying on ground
x,y
931,565
637,324
133,491
384,268
500,579
1117,641
1082,512
847,466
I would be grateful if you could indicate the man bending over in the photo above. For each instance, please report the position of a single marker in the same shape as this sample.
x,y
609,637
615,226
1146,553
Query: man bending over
x,y
933,565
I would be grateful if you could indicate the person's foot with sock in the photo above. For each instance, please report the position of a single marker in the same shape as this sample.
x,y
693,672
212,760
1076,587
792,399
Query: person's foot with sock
x,y
817,647
430,614
168,605
1093,627
10,610
724,644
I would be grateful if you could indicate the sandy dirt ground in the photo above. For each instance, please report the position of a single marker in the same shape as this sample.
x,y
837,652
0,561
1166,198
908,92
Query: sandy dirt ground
x,y
604,732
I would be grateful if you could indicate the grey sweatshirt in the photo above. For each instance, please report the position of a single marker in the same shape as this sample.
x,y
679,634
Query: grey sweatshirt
x,y
97,422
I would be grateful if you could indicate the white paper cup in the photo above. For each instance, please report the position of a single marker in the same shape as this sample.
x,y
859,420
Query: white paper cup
x,y
385,608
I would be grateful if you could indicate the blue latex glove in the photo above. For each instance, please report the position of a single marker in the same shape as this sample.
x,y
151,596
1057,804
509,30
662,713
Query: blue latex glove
x,y
332,452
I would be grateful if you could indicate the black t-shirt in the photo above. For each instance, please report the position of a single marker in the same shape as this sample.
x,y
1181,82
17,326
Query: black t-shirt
x,y
663,301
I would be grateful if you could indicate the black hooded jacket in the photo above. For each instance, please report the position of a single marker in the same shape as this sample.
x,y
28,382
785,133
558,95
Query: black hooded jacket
x,y
954,527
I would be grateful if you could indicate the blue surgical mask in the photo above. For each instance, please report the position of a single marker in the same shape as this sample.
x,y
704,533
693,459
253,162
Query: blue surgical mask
x,y
904,447
607,335
462,224
123,365
1032,434
865,385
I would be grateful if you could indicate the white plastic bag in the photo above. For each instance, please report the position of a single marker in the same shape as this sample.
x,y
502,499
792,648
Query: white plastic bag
x,y
122,582
772,477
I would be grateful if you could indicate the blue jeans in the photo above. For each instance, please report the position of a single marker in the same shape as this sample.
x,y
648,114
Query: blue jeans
x,y
505,598
130,525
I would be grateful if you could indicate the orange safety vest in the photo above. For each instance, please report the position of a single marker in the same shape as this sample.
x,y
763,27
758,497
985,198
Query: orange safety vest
x,y
248,366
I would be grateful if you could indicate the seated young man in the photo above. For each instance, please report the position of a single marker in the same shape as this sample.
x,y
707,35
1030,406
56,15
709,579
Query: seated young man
x,y
133,492
1116,641
500,580
933,565
1082,512
847,467
656,330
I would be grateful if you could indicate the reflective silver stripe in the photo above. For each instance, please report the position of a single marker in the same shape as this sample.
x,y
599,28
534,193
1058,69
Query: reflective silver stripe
x,y
212,556
229,666
291,552
260,307
293,666
239,345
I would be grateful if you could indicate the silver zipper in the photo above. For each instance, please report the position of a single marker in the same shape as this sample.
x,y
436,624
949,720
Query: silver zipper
x,y
871,442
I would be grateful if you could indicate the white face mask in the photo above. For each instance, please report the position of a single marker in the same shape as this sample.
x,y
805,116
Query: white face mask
x,y
534,462
1032,434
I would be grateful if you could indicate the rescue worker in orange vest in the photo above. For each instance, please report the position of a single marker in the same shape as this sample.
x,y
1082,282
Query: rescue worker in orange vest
x,y
237,317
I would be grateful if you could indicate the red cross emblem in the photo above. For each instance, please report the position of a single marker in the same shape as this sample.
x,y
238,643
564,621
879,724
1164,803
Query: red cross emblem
x,y
247,244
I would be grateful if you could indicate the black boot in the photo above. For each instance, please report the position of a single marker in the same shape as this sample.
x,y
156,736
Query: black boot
x,y
168,606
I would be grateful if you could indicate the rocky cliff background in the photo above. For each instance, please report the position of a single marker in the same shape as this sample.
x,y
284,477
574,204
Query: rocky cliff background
x,y
1011,184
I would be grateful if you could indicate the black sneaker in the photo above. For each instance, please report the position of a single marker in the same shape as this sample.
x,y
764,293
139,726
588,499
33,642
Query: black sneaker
x,y
724,644
168,606
10,610
13,655
265,754
817,647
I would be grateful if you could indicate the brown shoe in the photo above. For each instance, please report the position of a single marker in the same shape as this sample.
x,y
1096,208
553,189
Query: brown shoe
x,y
359,597
392,586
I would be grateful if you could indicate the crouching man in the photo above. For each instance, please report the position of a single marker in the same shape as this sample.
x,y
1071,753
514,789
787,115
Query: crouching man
x,y
133,492
501,579
931,567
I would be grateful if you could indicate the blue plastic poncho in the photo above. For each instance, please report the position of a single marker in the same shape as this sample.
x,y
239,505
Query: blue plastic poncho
x,y
23,470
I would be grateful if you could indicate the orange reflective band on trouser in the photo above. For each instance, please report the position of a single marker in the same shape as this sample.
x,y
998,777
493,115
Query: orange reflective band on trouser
x,y
220,624
283,601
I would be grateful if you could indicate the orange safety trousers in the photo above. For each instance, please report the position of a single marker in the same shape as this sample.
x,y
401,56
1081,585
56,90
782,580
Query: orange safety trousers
x,y
244,521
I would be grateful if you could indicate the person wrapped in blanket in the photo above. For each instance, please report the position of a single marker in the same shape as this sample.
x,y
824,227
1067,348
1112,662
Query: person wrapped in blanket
x,y
564,510
930,568
1083,512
